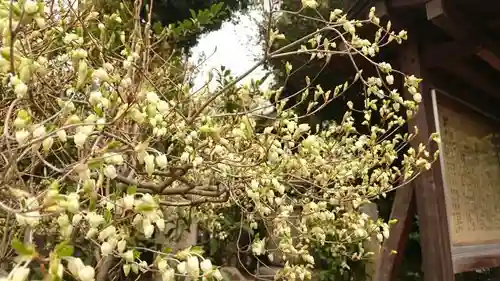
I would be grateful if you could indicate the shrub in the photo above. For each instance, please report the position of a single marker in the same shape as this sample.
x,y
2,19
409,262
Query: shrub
x,y
107,152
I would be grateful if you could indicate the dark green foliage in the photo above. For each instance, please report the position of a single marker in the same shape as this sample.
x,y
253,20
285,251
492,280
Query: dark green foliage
x,y
191,14
331,269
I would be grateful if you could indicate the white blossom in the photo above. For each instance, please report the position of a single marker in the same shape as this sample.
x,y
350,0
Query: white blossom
x,y
63,220
30,7
193,266
73,202
390,79
95,97
117,159
152,97
160,223
39,131
106,248
310,4
185,157
304,128
197,161
380,237
206,266
76,219
128,256
168,275
101,74
182,267
86,273
128,202
126,269
21,89
417,97
91,233
47,143
22,136
161,161
149,163
109,231
110,171
259,247
148,230
29,218
217,275
121,246
75,265
95,219
80,139
163,107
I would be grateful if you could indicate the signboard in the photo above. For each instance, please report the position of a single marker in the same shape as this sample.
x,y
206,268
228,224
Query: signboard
x,y
470,161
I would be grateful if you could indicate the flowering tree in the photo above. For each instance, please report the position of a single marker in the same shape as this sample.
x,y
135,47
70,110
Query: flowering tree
x,y
106,150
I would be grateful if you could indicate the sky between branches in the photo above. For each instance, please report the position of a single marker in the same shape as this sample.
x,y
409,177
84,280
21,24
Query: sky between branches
x,y
234,45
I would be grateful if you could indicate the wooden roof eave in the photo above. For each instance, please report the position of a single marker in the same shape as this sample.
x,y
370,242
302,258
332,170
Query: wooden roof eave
x,y
468,40
444,14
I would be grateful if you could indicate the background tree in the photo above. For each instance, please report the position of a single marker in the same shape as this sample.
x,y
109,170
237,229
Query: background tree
x,y
201,15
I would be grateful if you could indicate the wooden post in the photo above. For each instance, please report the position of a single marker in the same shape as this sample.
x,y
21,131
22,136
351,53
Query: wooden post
x,y
403,209
437,262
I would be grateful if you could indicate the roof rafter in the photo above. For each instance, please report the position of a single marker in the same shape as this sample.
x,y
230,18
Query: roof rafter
x,y
474,78
444,53
406,3
451,21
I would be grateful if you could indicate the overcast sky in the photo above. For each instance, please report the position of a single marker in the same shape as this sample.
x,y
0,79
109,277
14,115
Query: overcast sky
x,y
233,45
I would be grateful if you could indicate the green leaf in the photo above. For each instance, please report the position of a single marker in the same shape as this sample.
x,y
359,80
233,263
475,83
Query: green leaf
x,y
197,250
137,254
216,8
107,215
114,144
95,163
82,74
22,249
144,208
93,201
193,13
131,189
64,249
98,110
157,28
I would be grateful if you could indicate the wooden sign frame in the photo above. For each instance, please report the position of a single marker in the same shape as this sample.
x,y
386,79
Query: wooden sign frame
x,y
471,255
